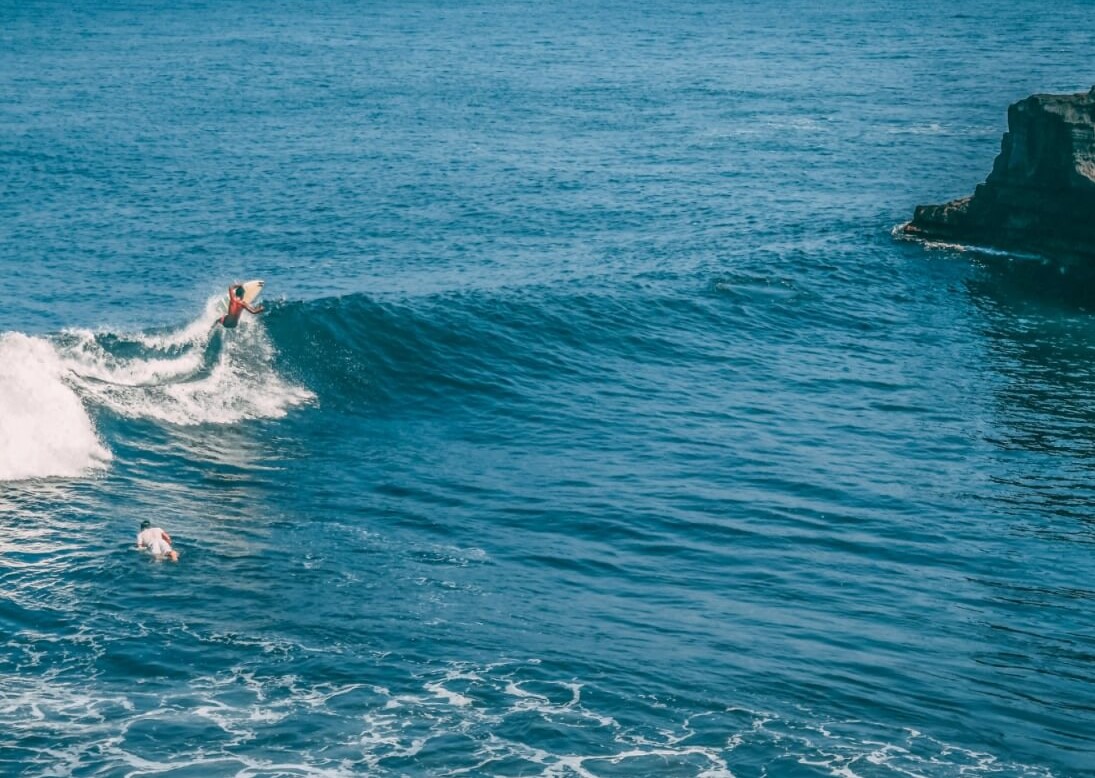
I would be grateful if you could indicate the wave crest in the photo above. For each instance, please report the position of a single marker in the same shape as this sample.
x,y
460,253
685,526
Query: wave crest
x,y
194,374
44,427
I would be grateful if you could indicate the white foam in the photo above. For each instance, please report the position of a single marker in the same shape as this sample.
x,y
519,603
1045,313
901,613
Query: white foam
x,y
78,725
44,428
48,385
934,244
196,332
172,381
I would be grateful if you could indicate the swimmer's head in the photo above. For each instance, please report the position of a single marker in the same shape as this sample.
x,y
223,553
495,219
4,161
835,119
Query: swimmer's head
x,y
239,292
146,524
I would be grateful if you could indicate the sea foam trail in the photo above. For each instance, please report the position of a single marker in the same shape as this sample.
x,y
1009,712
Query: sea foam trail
x,y
196,374
44,428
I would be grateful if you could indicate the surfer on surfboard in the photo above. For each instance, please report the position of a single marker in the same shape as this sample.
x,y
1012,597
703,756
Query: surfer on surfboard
x,y
236,306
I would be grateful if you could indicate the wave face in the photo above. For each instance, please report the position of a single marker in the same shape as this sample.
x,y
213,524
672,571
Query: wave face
x,y
486,349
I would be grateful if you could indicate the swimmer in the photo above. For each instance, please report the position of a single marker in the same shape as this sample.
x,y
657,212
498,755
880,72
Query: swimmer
x,y
156,541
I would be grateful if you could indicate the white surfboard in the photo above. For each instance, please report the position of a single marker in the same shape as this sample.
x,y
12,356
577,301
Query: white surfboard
x,y
251,290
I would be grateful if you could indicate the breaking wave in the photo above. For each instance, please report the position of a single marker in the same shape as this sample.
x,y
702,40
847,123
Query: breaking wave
x,y
45,429
52,389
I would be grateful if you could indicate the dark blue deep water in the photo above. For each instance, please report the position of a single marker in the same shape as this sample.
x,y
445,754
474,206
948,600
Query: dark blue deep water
x,y
597,425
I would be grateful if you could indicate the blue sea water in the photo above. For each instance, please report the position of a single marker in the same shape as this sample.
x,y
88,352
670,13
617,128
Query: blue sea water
x,y
597,426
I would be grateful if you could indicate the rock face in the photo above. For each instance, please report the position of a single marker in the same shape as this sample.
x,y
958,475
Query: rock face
x,y
1040,195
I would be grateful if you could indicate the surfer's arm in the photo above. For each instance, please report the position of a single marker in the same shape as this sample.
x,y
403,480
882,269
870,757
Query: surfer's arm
x,y
260,309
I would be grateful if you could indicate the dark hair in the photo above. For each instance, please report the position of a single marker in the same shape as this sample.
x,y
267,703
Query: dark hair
x,y
239,291
146,524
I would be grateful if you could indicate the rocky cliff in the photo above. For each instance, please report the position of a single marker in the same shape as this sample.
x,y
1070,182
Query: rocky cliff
x,y
1040,195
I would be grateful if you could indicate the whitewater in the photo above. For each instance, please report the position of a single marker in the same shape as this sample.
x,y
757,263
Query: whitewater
x,y
51,388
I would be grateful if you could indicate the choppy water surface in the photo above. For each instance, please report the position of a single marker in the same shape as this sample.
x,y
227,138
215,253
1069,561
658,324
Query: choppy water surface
x,y
598,426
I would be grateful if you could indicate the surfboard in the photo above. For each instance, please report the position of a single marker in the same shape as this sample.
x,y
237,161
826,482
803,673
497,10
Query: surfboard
x,y
251,290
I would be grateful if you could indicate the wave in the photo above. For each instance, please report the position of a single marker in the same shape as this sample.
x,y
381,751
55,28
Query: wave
x,y
484,348
51,388
199,374
352,354
44,427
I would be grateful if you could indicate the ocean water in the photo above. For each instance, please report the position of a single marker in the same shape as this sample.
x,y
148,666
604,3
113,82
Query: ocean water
x,y
598,425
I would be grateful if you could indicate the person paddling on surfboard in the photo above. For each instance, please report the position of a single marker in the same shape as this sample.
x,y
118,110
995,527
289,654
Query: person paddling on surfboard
x,y
156,542
236,306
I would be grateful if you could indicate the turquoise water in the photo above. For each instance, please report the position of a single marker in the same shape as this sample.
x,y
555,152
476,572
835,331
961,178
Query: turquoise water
x,y
598,426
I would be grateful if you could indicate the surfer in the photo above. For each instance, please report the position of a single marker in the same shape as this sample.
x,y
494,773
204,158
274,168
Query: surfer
x,y
156,541
236,306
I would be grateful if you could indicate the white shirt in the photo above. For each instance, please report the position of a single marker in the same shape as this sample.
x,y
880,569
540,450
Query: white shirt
x,y
153,539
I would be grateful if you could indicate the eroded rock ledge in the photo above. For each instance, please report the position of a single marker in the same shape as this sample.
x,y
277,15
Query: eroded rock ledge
x,y
1040,195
